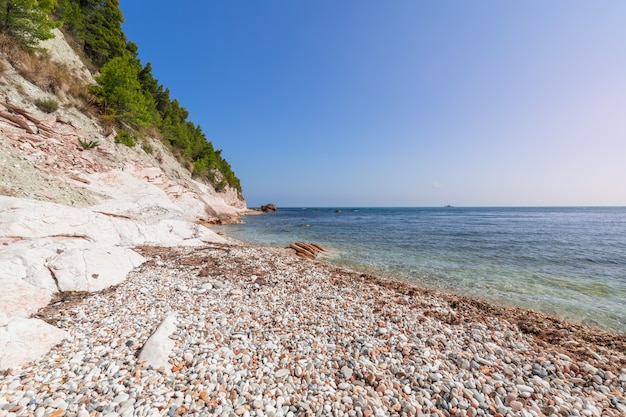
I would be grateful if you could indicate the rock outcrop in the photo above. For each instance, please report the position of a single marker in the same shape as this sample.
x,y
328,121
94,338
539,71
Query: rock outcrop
x,y
268,208
70,217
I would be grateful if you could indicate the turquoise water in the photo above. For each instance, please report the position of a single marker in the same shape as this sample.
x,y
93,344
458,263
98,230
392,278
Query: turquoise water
x,y
565,261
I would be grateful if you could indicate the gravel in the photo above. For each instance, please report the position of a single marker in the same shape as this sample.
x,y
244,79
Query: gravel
x,y
260,332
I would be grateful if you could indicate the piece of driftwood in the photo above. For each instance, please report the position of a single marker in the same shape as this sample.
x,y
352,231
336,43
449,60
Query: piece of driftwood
x,y
307,250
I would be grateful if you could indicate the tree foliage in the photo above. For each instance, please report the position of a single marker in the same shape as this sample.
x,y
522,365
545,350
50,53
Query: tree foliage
x,y
121,94
72,18
97,27
28,21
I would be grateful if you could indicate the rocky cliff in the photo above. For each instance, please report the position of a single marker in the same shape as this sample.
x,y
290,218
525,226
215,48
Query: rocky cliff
x,y
71,214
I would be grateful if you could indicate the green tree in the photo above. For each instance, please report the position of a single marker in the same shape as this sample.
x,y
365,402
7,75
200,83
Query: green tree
x,y
103,38
120,92
152,88
28,21
72,17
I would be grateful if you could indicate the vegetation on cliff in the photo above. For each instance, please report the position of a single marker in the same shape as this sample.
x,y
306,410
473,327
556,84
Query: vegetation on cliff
x,y
127,95
28,21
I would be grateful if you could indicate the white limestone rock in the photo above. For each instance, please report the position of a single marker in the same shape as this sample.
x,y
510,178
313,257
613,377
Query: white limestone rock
x,y
155,352
25,260
21,299
23,340
93,268
28,219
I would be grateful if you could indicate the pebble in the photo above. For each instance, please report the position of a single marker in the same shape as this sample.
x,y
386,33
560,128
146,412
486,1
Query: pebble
x,y
300,338
282,373
219,285
346,372
516,405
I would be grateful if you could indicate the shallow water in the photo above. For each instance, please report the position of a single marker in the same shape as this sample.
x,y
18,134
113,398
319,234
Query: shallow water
x,y
565,261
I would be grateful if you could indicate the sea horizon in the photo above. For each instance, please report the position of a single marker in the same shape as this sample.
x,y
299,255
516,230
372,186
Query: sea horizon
x,y
445,206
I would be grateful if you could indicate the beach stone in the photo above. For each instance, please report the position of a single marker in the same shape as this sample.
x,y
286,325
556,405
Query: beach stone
x,y
525,388
539,371
347,372
516,405
121,397
155,352
282,373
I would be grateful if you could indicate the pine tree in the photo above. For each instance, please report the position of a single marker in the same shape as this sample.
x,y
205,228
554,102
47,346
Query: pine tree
x,y
72,17
103,38
28,21
120,91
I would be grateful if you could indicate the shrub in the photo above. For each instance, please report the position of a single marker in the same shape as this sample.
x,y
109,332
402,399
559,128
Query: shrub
x,y
125,138
147,147
88,144
220,186
47,106
36,67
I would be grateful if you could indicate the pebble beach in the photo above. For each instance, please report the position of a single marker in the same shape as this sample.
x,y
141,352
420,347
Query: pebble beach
x,y
261,332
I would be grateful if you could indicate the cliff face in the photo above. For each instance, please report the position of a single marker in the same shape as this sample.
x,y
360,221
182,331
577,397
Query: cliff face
x,y
43,159
70,216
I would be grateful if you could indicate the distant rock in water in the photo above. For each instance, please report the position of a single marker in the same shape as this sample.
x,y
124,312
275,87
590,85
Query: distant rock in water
x,y
268,208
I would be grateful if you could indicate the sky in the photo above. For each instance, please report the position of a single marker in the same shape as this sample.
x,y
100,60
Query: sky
x,y
362,103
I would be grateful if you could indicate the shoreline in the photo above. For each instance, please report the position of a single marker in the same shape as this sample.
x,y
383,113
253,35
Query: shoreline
x,y
262,332
578,281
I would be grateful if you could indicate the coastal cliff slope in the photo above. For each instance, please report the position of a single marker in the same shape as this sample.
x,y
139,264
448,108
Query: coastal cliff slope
x,y
69,214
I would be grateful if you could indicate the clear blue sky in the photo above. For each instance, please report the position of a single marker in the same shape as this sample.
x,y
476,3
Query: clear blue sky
x,y
403,102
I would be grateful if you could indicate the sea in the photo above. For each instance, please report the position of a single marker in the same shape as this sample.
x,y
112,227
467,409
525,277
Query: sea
x,y
569,262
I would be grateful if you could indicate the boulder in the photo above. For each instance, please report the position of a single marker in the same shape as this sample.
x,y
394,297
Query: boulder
x,y
23,340
268,208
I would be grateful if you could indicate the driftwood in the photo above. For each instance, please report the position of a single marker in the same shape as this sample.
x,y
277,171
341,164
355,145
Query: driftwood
x,y
307,250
